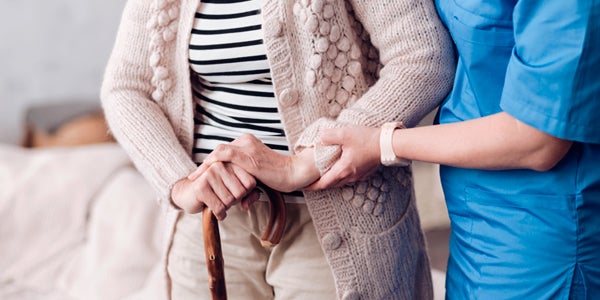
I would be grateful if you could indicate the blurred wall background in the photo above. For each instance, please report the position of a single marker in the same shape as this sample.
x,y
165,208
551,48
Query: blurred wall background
x,y
51,51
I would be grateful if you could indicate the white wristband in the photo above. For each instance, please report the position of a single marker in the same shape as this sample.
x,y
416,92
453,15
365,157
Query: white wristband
x,y
388,157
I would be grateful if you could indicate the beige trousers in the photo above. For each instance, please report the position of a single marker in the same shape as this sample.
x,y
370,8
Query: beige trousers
x,y
295,269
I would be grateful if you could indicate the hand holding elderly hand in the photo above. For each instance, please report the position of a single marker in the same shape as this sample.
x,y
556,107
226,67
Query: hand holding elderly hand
x,y
284,173
360,158
219,187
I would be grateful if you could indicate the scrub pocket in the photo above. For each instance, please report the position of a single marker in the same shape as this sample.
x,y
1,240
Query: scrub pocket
x,y
522,246
479,40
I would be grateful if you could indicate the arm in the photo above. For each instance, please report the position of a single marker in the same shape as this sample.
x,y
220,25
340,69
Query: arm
x,y
497,141
137,121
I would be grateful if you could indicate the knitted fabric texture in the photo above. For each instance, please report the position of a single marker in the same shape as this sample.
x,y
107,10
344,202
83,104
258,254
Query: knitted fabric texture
x,y
333,63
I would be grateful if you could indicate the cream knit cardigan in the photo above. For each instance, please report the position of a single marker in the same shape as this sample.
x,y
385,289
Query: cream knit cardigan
x,y
333,63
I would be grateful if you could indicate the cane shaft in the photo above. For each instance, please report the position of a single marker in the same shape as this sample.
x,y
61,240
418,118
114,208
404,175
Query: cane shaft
x,y
214,256
212,240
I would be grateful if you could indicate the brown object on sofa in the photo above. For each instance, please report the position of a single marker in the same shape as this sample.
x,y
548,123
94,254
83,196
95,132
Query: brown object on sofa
x,y
65,124
90,129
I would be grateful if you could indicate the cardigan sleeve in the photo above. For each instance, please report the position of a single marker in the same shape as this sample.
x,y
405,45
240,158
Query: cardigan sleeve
x,y
417,71
138,122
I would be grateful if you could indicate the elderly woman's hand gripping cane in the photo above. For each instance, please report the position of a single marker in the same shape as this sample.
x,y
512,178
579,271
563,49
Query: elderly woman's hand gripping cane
x,y
219,187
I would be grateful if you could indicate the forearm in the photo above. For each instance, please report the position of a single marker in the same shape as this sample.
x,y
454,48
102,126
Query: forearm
x,y
494,142
137,121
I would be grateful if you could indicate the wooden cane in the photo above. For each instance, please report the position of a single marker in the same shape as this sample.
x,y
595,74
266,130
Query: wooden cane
x,y
214,255
212,240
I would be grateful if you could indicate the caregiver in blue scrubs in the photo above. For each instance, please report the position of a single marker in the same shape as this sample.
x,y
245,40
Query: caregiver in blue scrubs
x,y
519,145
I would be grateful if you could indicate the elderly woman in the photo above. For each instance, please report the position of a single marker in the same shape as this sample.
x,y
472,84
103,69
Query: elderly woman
x,y
187,76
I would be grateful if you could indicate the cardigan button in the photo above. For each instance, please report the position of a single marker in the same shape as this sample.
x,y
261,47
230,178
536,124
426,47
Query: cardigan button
x,y
331,241
288,97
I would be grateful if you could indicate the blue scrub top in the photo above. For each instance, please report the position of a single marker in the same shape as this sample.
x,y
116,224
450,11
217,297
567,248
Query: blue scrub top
x,y
521,233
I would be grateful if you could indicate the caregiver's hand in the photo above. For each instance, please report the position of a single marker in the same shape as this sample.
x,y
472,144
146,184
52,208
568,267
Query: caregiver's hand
x,y
360,155
284,173
219,187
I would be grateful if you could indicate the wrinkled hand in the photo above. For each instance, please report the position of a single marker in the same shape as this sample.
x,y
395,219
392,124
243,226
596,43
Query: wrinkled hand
x,y
219,187
360,155
284,173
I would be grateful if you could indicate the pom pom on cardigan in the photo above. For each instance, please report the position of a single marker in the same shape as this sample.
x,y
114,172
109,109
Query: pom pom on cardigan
x,y
163,29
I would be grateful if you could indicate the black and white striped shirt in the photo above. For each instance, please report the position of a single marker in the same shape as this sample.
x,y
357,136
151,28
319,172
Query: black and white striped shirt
x,y
232,92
